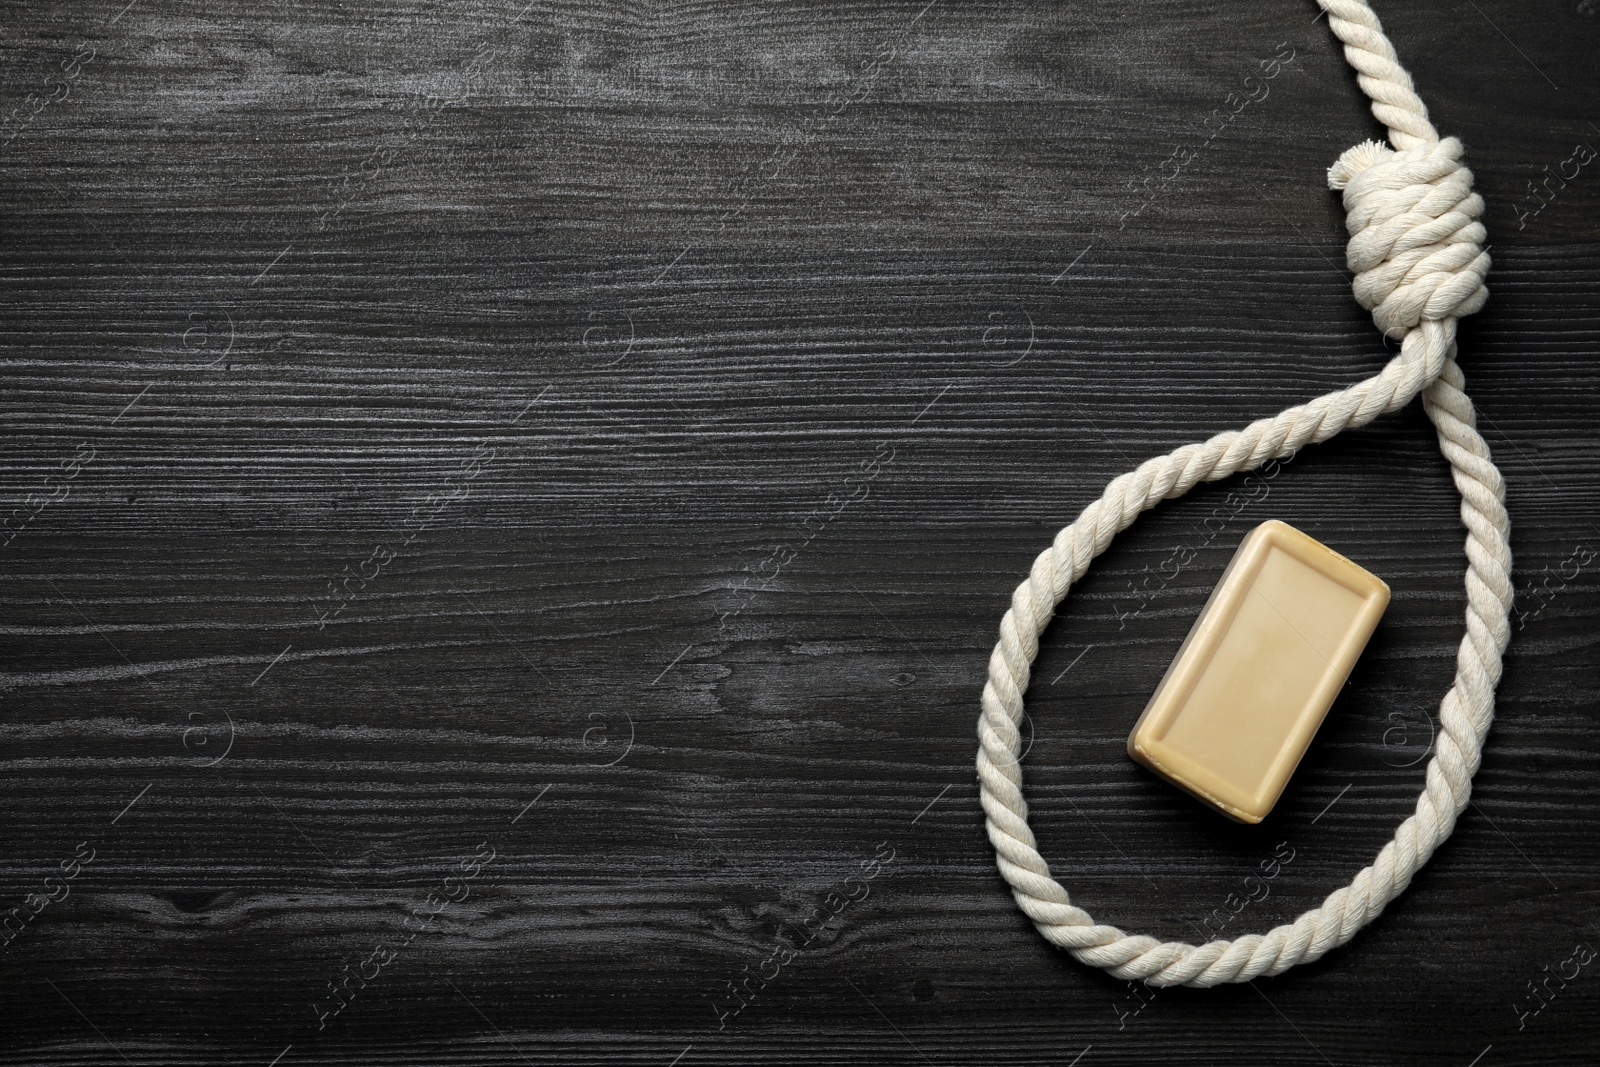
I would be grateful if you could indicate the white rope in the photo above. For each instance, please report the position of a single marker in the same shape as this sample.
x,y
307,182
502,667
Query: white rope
x,y
1417,249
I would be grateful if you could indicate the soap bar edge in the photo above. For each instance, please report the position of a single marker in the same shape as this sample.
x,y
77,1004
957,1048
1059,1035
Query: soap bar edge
x,y
1147,760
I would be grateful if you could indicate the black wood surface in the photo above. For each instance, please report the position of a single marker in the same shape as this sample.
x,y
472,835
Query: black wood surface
x,y
568,463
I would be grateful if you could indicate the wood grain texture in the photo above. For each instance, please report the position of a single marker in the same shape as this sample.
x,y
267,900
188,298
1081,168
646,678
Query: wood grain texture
x,y
606,436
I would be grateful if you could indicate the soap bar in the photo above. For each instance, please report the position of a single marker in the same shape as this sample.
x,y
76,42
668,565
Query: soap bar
x,y
1259,670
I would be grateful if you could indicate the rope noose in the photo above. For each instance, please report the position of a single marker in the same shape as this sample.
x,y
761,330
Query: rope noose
x,y
1416,246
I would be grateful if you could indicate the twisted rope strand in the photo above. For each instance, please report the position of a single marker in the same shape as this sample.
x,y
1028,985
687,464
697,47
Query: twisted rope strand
x,y
1417,249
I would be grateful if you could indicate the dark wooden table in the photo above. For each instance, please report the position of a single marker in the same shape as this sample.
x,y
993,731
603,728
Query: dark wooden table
x,y
512,506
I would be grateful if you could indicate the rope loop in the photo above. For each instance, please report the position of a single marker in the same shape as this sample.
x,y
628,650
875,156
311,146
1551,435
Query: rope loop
x,y
1416,246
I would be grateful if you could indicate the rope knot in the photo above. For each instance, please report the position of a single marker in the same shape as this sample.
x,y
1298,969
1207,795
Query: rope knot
x,y
1416,245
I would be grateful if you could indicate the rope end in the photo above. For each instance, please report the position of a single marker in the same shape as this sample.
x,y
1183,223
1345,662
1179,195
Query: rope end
x,y
1354,161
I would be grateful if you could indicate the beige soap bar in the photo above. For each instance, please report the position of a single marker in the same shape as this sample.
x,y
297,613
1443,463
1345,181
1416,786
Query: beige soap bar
x,y
1257,674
